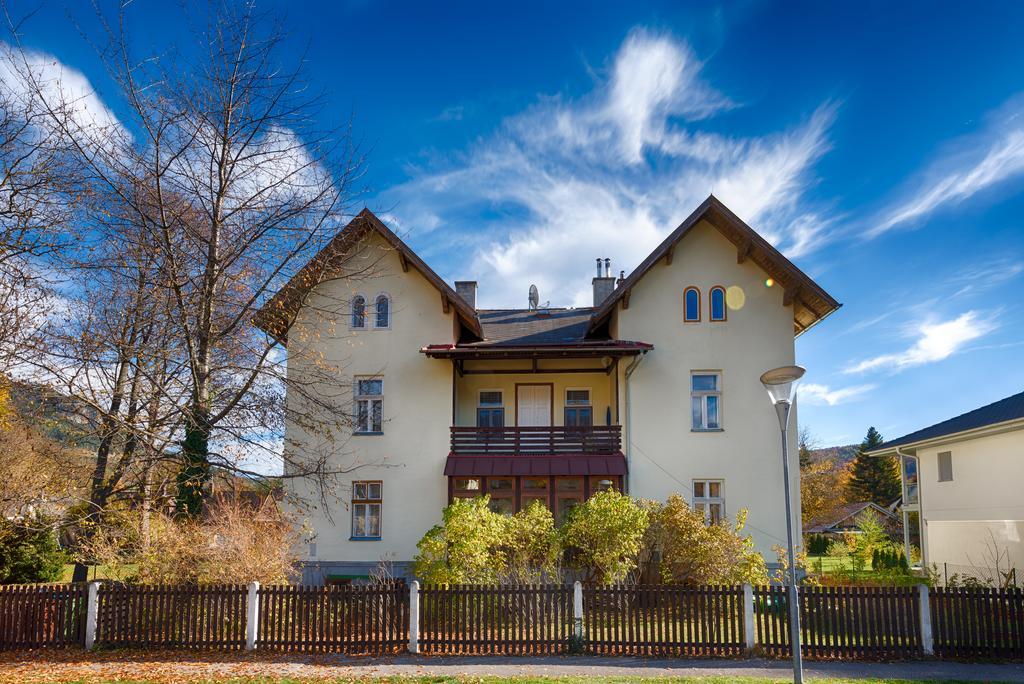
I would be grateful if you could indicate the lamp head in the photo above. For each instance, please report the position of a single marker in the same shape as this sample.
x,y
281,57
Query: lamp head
x,y
781,383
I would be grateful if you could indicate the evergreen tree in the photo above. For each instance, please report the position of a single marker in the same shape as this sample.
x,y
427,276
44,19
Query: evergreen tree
x,y
873,478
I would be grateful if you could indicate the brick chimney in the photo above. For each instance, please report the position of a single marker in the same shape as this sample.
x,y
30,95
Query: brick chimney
x,y
467,290
604,281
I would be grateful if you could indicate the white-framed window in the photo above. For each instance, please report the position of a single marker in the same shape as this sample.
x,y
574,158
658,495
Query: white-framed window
x,y
945,466
366,504
578,411
357,320
369,414
709,499
382,311
490,409
706,400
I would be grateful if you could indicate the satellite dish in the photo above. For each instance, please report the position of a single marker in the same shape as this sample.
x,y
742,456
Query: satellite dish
x,y
534,297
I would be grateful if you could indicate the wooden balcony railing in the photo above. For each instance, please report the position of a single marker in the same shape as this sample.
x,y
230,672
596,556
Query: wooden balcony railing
x,y
600,439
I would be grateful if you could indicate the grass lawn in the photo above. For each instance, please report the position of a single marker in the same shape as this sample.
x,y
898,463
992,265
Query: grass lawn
x,y
101,572
833,563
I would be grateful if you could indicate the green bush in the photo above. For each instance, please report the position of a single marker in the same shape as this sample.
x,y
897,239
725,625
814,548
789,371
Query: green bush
x,y
817,545
603,535
29,553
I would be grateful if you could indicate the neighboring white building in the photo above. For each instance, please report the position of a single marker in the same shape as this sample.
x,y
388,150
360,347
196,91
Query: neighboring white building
x,y
963,489
654,390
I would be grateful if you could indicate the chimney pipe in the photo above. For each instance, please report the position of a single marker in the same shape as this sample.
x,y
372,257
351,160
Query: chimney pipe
x,y
604,283
467,290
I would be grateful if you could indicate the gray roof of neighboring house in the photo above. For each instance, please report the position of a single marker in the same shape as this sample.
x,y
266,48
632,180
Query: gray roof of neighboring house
x,y
520,327
844,513
1001,411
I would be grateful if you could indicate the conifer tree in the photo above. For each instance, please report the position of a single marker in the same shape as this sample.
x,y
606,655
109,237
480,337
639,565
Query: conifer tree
x,y
874,478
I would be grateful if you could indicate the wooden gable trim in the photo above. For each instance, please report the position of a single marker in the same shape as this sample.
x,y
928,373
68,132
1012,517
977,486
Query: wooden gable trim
x,y
743,251
668,255
277,314
749,245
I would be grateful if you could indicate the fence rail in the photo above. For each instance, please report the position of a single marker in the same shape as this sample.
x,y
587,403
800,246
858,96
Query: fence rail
x,y
841,622
346,619
836,622
664,620
33,616
986,623
478,619
179,616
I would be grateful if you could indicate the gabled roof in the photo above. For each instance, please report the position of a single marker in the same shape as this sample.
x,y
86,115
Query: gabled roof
x,y
810,302
848,512
1002,411
277,315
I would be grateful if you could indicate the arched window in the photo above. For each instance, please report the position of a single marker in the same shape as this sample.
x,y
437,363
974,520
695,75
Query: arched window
x,y
717,297
383,311
691,305
359,311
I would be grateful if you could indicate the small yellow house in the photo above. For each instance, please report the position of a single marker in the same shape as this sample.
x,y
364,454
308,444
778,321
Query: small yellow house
x,y
653,390
963,491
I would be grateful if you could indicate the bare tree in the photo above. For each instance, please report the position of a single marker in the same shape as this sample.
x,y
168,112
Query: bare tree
x,y
38,187
222,173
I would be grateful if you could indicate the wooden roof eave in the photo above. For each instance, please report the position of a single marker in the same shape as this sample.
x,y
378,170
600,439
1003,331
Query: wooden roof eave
x,y
277,315
799,288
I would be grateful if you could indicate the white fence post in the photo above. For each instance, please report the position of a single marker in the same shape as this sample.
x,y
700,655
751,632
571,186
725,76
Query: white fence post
x,y
92,608
577,611
414,617
252,616
748,618
925,609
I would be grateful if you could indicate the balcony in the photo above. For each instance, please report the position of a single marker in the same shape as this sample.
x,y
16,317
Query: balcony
x,y
533,441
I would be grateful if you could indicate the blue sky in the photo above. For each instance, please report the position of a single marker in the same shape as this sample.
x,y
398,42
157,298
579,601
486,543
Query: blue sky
x,y
880,146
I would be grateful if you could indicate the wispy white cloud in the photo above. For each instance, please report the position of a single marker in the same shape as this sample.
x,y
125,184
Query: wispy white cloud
x,y
611,172
32,78
971,165
811,393
935,341
979,277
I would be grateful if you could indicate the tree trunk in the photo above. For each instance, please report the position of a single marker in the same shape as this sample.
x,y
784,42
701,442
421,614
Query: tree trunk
x,y
195,471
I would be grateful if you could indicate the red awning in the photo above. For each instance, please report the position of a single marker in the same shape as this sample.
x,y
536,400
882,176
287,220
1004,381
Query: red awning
x,y
563,464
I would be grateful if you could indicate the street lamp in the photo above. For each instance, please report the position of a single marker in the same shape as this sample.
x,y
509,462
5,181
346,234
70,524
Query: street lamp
x,y
781,385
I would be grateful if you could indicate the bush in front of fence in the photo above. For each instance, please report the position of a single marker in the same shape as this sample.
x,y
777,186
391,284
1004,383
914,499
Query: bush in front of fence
x,y
607,539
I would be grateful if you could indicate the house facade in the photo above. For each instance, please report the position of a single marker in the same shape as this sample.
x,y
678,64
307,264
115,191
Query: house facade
x,y
962,499
653,390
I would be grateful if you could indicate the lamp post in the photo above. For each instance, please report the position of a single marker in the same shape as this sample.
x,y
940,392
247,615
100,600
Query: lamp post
x,y
781,385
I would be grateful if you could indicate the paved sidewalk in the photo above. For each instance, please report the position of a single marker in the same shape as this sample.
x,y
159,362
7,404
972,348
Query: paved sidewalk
x,y
179,666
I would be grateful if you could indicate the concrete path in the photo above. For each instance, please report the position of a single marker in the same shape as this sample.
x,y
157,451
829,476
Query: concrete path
x,y
178,666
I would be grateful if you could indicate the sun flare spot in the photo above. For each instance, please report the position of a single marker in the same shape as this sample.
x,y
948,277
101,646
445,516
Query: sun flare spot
x,y
735,297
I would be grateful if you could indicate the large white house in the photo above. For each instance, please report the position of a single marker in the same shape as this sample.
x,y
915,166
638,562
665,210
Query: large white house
x,y
963,490
654,390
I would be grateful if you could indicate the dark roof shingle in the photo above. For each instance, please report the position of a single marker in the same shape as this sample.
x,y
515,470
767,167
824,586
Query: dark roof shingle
x,y
1001,411
522,327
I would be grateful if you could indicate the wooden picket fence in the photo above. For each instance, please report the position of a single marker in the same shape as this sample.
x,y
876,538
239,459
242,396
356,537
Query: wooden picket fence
x,y
477,619
345,619
978,623
841,622
862,623
38,615
663,620
178,616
